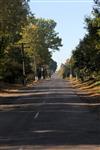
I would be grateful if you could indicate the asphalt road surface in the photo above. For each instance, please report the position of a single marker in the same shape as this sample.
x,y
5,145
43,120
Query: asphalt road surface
x,y
49,116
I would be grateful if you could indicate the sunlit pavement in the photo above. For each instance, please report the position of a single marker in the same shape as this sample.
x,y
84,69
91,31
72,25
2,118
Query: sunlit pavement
x,y
49,116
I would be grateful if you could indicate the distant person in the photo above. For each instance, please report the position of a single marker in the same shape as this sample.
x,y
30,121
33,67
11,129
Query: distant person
x,y
39,73
44,73
63,75
49,73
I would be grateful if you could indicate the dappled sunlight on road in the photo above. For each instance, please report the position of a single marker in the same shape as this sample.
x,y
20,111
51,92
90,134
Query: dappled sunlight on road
x,y
51,115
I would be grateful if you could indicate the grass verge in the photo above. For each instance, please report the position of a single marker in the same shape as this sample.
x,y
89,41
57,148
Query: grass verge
x,y
90,87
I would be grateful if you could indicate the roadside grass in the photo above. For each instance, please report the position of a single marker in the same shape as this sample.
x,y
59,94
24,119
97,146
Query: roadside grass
x,y
97,83
91,87
7,89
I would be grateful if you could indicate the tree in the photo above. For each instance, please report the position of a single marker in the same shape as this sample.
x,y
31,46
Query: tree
x,y
13,16
47,28
52,65
18,26
87,53
42,39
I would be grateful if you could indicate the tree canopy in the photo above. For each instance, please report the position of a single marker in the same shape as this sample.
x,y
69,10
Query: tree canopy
x,y
86,55
18,26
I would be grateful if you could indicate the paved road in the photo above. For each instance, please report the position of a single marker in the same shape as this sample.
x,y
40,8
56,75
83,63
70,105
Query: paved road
x,y
49,116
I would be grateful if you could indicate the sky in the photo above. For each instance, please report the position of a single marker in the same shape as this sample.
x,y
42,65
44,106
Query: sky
x,y
69,16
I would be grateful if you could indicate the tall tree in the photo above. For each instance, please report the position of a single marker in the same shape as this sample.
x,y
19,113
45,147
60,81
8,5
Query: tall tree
x,y
42,38
13,16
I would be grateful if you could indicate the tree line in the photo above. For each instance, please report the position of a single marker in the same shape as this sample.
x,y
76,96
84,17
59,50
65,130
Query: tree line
x,y
85,60
26,42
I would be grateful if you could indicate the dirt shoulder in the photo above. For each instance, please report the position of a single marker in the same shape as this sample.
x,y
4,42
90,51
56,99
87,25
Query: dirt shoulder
x,y
7,89
90,91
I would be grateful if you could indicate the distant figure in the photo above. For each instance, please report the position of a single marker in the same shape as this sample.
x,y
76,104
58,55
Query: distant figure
x,y
49,73
63,75
39,73
44,73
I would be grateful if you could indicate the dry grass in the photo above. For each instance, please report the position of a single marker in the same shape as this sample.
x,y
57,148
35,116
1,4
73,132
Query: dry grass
x,y
91,88
7,90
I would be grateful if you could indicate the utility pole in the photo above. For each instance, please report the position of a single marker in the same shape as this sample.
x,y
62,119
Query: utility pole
x,y
70,71
21,45
35,67
23,63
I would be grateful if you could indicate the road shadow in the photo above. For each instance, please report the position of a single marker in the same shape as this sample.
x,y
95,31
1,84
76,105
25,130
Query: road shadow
x,y
49,119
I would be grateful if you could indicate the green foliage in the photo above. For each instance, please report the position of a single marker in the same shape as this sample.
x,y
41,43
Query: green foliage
x,y
42,40
13,16
17,26
87,54
52,65
47,28
68,68
85,60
